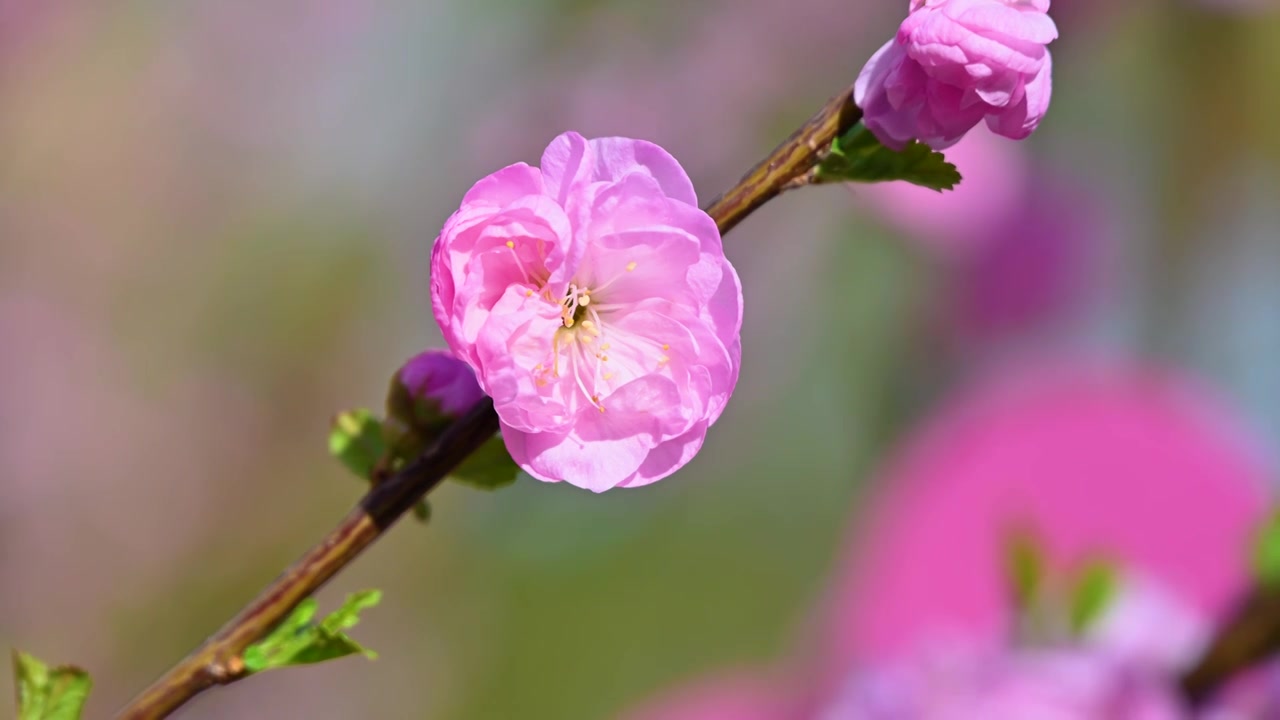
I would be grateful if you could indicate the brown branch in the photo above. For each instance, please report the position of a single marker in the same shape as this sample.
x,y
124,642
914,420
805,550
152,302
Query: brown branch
x,y
218,661
1249,637
788,163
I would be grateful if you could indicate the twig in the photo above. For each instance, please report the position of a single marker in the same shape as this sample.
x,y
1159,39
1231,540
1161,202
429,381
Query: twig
x,y
788,164
218,661
1252,635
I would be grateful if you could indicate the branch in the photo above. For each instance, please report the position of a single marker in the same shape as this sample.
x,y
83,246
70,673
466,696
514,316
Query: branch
x,y
789,163
218,661
1252,635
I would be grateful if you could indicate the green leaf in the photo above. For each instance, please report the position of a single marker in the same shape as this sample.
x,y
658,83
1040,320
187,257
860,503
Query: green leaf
x,y
356,440
46,693
300,641
858,156
1094,587
1025,568
1266,551
488,468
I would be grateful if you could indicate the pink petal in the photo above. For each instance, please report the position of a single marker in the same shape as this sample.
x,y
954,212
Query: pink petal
x,y
617,157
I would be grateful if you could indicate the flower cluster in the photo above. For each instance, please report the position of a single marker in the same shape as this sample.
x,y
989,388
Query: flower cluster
x,y
593,300
954,63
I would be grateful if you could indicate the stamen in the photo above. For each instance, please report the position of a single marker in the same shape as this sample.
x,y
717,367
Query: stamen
x,y
631,266
555,355
573,358
511,245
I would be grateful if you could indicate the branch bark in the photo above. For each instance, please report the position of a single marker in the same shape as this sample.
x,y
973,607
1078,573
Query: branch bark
x,y
218,660
1251,636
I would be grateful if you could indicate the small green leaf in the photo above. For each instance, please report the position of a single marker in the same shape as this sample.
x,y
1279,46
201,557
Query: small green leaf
x,y
488,468
46,693
858,156
1266,551
356,440
422,512
299,641
1025,568
1093,588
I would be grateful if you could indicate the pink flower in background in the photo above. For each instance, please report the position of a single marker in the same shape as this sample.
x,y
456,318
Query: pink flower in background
x,y
998,178
1022,247
954,63
438,376
1132,464
1135,464
594,301
1055,684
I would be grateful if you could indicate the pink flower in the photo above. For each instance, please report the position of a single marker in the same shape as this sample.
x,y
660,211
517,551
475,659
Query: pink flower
x,y
1130,463
1057,684
437,376
594,301
954,63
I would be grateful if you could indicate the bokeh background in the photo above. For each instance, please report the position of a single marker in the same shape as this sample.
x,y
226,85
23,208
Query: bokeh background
x,y
215,222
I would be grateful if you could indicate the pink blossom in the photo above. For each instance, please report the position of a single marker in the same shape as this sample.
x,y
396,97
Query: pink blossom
x,y
594,301
436,375
1130,463
1046,684
1093,459
954,63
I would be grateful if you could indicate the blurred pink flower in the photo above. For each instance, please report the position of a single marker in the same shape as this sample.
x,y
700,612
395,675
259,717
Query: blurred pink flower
x,y
997,180
1092,460
954,63
594,301
1021,247
438,376
1059,684
1133,464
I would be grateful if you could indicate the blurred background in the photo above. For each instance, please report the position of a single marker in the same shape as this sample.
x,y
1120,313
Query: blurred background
x,y
215,223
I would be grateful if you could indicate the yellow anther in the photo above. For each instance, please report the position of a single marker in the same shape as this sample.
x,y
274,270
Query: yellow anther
x,y
604,347
663,360
631,266
584,299
608,376
666,346
528,293
511,244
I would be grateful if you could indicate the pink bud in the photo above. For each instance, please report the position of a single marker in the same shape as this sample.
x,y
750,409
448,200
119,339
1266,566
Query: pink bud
x,y
438,376
954,63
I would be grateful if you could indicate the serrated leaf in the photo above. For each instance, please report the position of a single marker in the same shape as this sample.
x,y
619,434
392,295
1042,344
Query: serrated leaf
x,y
1025,568
300,641
45,693
858,156
1266,551
356,439
1092,590
488,468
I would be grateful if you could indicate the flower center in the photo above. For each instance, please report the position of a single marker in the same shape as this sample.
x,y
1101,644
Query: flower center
x,y
573,309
